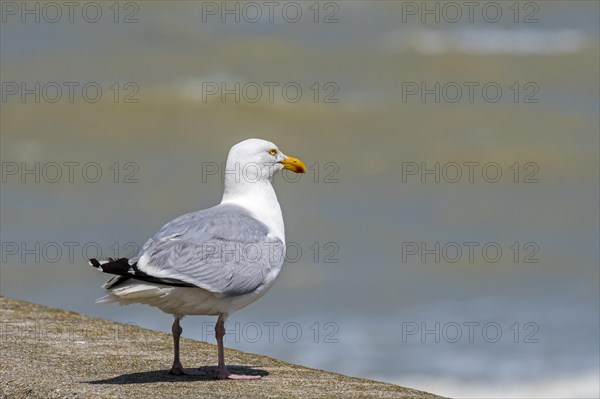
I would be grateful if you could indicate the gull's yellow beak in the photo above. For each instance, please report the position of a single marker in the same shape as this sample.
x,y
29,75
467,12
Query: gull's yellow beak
x,y
293,164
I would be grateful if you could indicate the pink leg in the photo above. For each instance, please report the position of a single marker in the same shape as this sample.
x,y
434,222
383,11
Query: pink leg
x,y
222,372
177,368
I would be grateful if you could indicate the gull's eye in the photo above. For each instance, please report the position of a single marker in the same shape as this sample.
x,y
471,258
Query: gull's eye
x,y
273,151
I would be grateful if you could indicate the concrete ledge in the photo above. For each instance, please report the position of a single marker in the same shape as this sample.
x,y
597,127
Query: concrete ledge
x,y
51,353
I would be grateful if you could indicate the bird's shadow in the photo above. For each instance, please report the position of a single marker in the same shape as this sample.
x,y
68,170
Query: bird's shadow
x,y
208,373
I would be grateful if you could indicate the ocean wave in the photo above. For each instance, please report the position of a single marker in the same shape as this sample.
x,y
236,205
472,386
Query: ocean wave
x,y
486,41
581,385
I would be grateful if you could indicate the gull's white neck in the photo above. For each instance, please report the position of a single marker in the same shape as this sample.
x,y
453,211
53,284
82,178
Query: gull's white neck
x,y
259,199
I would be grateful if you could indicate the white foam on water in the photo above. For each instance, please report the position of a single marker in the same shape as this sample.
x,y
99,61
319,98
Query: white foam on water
x,y
486,41
582,385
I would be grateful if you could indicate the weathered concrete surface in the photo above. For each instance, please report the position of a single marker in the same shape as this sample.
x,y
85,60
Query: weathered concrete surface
x,y
51,353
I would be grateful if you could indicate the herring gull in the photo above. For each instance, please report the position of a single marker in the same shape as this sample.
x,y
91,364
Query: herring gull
x,y
213,261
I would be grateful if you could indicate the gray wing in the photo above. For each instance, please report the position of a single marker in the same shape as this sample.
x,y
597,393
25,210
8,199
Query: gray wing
x,y
222,249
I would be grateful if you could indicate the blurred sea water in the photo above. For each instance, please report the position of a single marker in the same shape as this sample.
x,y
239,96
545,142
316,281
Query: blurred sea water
x,y
358,315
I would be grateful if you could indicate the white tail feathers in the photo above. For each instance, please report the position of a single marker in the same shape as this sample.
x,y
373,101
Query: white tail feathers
x,y
135,292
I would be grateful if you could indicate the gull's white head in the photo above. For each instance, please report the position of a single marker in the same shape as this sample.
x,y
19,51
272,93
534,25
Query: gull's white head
x,y
256,160
249,172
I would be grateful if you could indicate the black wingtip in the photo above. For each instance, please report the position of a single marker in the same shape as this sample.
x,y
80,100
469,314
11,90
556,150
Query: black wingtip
x,y
121,267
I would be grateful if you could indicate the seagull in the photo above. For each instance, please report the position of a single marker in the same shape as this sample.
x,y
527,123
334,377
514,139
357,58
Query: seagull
x,y
213,261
